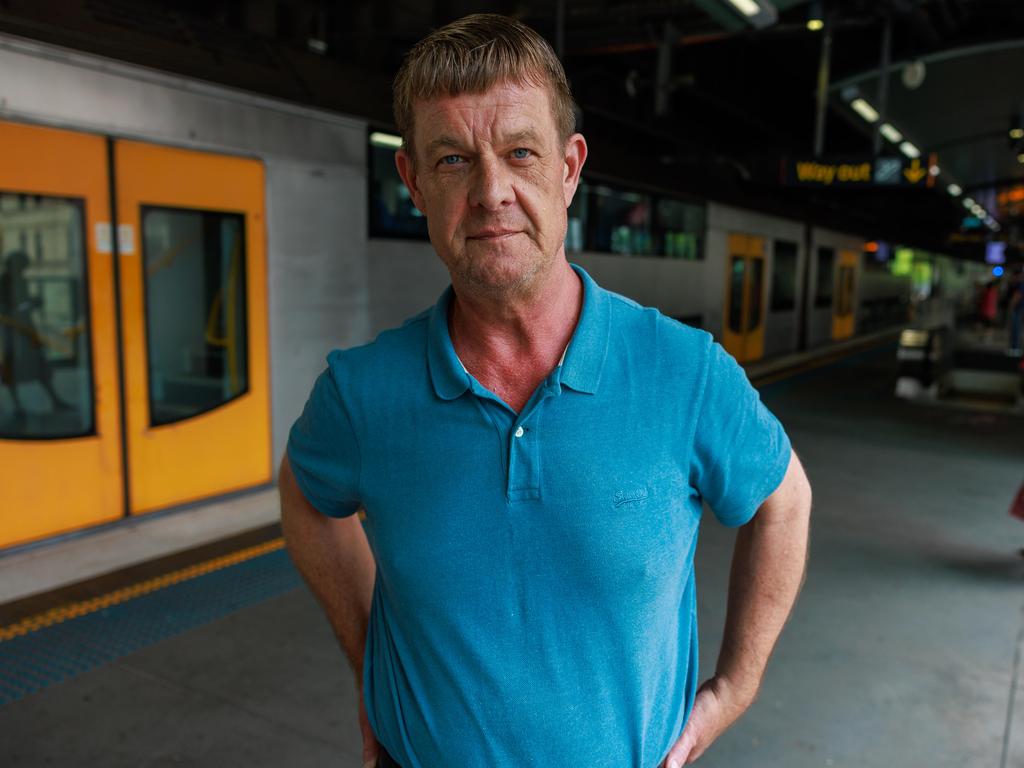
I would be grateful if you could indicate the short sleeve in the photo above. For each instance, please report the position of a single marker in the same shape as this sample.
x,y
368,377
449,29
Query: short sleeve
x,y
740,452
324,453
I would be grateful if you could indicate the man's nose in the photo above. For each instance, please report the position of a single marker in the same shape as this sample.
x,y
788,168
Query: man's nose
x,y
492,185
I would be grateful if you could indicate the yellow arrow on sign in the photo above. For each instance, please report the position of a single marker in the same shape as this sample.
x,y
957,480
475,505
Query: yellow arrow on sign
x,y
915,172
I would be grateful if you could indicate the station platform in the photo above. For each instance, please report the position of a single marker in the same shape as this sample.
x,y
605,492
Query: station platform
x,y
904,649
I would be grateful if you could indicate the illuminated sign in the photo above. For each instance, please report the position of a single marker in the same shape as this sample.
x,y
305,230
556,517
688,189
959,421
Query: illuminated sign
x,y
1011,201
859,172
995,252
821,174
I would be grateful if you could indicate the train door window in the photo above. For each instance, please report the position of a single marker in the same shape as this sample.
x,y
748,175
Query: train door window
x,y
195,289
826,277
845,290
784,276
737,268
45,362
756,292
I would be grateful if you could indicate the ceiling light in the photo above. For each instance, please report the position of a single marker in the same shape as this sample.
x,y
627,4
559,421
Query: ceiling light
x,y
864,109
968,202
954,189
910,150
746,7
379,139
1020,157
890,133
934,170
1017,133
815,25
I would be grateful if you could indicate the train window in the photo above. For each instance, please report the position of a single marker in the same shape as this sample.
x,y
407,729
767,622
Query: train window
x,y
678,229
46,386
737,268
196,315
845,290
756,292
619,221
784,276
826,277
577,220
392,213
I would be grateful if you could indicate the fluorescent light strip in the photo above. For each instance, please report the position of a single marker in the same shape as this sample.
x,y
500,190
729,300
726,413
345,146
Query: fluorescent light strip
x,y
910,150
746,7
864,109
379,139
890,133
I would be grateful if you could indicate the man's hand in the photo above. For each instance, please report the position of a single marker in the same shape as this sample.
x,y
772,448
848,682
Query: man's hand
x,y
371,749
714,709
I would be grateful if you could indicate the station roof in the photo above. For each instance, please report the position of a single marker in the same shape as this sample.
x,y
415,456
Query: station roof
x,y
711,98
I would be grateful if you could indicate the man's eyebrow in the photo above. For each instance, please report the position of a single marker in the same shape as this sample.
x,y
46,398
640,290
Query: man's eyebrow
x,y
525,135
441,142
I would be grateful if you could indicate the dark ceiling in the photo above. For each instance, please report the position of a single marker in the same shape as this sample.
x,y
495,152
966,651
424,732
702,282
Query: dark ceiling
x,y
738,99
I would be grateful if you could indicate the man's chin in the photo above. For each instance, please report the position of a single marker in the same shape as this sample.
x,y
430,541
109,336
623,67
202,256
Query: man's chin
x,y
505,274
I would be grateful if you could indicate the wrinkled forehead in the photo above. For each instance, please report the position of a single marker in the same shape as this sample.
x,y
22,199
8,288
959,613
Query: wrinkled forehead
x,y
504,108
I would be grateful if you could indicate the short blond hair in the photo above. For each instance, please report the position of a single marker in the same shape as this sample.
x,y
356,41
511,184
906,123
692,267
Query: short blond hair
x,y
472,55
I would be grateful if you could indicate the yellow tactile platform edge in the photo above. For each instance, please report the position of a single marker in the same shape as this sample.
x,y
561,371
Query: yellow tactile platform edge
x,y
74,610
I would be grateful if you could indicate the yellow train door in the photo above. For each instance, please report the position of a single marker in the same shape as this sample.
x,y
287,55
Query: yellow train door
x,y
845,291
133,383
60,437
743,324
194,298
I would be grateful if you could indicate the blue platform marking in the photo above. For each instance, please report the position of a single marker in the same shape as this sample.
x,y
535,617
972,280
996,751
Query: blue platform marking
x,y
62,651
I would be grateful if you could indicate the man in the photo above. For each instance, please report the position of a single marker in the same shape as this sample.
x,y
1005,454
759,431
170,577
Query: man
x,y
532,455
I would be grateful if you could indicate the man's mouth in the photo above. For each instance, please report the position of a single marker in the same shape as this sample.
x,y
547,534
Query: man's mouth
x,y
492,234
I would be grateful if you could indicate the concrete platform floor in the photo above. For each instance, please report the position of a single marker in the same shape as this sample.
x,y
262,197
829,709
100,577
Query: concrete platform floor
x,y
904,649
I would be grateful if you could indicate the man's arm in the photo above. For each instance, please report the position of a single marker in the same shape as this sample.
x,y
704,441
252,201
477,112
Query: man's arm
x,y
334,558
768,566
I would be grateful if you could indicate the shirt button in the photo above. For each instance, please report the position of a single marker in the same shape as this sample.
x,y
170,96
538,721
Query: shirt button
x,y
519,432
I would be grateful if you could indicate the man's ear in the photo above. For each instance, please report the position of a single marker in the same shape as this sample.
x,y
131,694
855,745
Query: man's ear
x,y
575,157
407,170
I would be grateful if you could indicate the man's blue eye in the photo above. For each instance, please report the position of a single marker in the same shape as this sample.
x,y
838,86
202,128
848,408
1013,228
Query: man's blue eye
x,y
450,159
520,154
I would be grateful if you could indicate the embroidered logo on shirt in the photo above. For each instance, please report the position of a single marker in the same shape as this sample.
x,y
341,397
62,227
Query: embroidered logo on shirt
x,y
629,496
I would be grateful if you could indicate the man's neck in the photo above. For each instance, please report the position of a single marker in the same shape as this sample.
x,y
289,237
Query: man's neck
x,y
520,340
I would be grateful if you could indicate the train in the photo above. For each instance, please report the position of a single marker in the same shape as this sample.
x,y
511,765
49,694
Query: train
x,y
177,258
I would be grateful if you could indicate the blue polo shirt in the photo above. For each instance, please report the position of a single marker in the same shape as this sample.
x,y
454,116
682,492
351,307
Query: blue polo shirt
x,y
535,602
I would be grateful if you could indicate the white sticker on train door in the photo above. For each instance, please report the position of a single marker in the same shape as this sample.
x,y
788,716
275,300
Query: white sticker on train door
x,y
103,243
125,239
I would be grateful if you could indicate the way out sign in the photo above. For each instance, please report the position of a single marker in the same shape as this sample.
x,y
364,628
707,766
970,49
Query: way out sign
x,y
857,172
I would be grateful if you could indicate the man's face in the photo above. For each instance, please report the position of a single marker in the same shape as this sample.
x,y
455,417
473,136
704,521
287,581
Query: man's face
x,y
494,181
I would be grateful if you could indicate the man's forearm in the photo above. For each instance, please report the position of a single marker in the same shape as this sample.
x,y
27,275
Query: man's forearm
x,y
768,567
334,558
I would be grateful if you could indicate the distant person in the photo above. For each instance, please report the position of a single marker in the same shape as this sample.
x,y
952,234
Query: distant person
x,y
23,354
1015,311
532,455
988,308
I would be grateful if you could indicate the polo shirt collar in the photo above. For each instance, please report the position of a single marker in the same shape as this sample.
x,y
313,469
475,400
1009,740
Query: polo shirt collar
x,y
582,362
584,359
449,377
